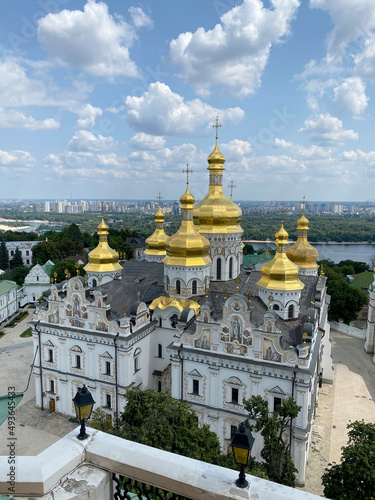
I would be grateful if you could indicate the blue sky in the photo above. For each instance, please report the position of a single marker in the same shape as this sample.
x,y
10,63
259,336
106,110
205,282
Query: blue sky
x,y
112,100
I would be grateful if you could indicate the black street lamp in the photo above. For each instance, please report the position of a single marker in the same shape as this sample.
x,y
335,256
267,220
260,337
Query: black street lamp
x,y
83,404
242,443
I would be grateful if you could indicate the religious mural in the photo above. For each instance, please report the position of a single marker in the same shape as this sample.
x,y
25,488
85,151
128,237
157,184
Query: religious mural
x,y
269,351
205,341
236,330
101,326
54,316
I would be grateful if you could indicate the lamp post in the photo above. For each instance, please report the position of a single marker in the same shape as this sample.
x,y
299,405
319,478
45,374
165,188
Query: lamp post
x,y
83,404
242,443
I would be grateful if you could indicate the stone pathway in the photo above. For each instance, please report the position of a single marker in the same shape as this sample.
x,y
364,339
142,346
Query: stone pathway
x,y
350,398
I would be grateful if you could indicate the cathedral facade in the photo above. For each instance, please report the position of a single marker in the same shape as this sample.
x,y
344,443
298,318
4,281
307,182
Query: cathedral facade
x,y
191,321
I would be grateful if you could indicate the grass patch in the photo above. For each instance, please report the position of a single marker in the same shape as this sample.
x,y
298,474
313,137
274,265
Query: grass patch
x,y
2,333
26,333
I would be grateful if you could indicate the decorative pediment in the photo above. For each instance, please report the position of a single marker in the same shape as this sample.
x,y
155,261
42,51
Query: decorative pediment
x,y
277,390
195,373
49,344
76,348
106,355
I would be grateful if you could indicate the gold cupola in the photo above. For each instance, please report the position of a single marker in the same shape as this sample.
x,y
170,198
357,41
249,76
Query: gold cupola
x,y
155,244
103,259
302,252
215,214
280,273
187,247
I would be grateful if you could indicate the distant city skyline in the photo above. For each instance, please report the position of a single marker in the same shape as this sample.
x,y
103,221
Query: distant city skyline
x,y
103,100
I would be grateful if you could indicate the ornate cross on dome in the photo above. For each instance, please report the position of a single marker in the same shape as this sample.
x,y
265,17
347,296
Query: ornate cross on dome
x,y
217,125
159,197
303,203
187,172
102,208
283,210
231,186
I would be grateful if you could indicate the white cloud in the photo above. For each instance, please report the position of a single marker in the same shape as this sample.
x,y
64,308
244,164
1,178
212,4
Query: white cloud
x,y
352,21
92,40
139,18
146,142
159,111
84,141
236,148
17,89
15,119
351,95
328,129
16,159
313,152
365,61
235,52
87,116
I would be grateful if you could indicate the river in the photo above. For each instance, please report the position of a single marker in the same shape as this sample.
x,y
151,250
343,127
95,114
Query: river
x,y
360,252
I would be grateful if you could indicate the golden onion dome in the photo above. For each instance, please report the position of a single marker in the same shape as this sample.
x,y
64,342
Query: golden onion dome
x,y
280,273
302,252
103,258
155,244
215,214
187,247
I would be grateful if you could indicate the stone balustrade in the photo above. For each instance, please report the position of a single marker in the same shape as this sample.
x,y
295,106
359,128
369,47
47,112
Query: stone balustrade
x,y
82,470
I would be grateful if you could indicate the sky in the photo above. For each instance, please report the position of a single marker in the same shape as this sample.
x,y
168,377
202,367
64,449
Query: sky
x,y
112,100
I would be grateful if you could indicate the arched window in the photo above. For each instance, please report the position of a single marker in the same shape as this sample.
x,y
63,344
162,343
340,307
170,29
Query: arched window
x,y
291,311
231,268
159,386
12,253
160,322
276,307
137,355
160,351
218,269
94,283
194,287
178,287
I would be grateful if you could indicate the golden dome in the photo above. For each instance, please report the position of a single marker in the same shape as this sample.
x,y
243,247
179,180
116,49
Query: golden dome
x,y
280,273
103,258
187,247
215,214
302,252
155,244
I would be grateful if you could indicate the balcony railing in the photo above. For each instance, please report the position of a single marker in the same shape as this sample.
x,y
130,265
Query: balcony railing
x,y
96,469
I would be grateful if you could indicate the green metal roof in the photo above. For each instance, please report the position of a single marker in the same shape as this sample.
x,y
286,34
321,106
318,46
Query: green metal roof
x,y
48,266
251,260
6,286
363,280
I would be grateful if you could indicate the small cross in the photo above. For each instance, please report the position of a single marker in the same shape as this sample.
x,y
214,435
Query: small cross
x,y
102,208
187,172
159,197
282,210
303,203
217,125
231,186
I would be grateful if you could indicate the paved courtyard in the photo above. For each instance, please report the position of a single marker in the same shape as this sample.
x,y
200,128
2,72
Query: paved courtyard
x,y
350,398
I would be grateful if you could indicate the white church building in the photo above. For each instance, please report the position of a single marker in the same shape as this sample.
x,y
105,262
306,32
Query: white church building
x,y
191,321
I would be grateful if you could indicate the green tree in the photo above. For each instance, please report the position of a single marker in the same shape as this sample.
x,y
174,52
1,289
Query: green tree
x,y
69,265
17,259
158,420
18,275
4,256
346,301
248,249
68,248
44,251
354,477
73,233
272,426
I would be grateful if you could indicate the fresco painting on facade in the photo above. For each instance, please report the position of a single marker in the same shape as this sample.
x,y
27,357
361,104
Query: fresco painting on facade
x,y
269,351
100,323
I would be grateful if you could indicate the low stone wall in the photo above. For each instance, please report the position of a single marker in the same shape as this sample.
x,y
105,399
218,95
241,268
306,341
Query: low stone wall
x,y
352,331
